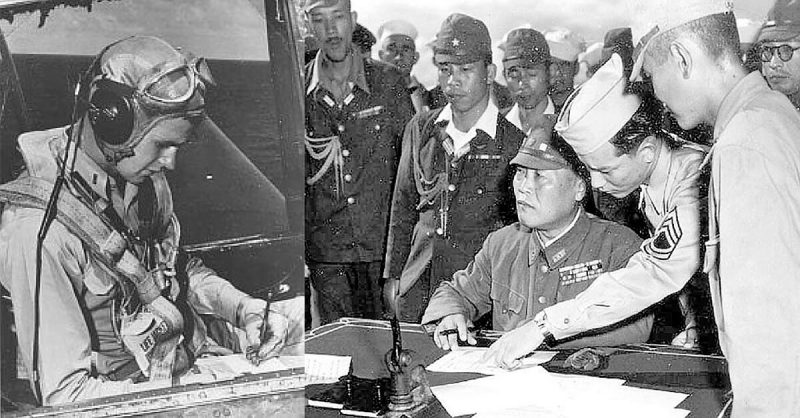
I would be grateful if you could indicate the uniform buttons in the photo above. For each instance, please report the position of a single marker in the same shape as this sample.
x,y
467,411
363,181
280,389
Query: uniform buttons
x,y
377,127
479,191
341,128
345,152
505,311
453,164
351,200
451,187
348,178
543,268
542,299
439,231
429,233
566,320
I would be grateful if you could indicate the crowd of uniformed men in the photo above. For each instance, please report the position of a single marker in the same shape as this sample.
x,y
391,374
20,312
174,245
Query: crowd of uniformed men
x,y
514,208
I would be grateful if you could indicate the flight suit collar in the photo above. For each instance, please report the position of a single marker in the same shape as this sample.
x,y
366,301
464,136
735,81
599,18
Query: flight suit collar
x,y
357,74
562,246
100,182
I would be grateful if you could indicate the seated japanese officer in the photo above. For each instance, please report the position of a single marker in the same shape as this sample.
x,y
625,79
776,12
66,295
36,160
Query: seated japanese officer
x,y
553,253
119,303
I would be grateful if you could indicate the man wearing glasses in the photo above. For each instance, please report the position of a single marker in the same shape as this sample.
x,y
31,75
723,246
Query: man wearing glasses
x,y
526,65
779,40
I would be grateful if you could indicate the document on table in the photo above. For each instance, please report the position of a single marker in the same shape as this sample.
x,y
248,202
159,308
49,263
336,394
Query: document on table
x,y
324,368
555,395
218,368
469,360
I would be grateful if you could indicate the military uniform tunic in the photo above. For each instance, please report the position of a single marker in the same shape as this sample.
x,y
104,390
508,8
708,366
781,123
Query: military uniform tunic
x,y
753,257
347,208
667,260
514,276
444,206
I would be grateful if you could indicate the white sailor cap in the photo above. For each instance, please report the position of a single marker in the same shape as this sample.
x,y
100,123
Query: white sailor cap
x,y
652,18
593,54
396,27
598,109
564,44
748,30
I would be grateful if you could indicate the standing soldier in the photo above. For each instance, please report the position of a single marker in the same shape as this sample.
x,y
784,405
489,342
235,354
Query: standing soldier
x,y
619,138
779,41
526,63
564,46
454,181
397,42
356,109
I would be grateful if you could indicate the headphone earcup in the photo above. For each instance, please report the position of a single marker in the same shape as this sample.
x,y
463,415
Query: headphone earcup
x,y
111,115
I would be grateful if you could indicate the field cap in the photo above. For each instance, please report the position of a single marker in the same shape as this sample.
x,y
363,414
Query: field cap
x,y
783,22
462,39
525,48
652,18
598,109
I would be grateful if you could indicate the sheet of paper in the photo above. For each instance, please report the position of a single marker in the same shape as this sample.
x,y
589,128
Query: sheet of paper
x,y
512,389
556,395
218,368
469,360
323,368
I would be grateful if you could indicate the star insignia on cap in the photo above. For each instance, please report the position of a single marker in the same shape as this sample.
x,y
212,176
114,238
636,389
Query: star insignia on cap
x,y
456,42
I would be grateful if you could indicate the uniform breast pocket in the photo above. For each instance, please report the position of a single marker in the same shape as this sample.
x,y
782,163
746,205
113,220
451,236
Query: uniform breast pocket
x,y
372,120
506,302
484,179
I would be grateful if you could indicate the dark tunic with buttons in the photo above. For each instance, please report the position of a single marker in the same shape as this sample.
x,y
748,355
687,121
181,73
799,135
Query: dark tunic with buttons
x,y
443,208
515,278
347,207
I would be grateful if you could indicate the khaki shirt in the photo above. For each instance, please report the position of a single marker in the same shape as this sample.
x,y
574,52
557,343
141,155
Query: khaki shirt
x,y
665,262
514,277
754,261
79,346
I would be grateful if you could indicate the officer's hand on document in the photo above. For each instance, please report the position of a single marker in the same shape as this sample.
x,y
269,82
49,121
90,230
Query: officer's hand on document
x,y
453,328
511,347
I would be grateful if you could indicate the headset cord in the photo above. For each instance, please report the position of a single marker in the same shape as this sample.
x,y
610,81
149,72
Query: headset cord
x,y
47,220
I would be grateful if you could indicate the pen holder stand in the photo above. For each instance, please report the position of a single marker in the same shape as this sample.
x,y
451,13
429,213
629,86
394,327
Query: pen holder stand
x,y
409,389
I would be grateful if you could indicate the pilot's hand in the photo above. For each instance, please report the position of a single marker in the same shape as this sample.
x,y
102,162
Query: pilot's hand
x,y
252,317
513,345
446,339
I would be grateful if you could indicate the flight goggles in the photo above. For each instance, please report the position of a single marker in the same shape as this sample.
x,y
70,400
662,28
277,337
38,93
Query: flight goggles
x,y
174,87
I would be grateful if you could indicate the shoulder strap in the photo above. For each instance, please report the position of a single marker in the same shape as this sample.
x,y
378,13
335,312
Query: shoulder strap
x,y
105,242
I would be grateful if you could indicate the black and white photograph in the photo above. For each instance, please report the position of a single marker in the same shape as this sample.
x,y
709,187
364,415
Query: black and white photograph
x,y
152,230
386,208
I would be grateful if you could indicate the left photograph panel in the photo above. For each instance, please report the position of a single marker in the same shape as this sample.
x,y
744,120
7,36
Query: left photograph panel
x,y
151,208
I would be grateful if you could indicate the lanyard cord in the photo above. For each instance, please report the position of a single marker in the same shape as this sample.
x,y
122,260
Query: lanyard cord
x,y
328,149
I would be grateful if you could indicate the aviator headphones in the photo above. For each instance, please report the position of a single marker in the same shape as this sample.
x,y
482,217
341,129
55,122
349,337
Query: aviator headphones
x,y
111,106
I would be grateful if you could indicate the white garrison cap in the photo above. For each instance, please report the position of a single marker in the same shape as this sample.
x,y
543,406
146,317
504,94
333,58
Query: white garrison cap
x,y
396,27
748,30
564,44
654,17
598,109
